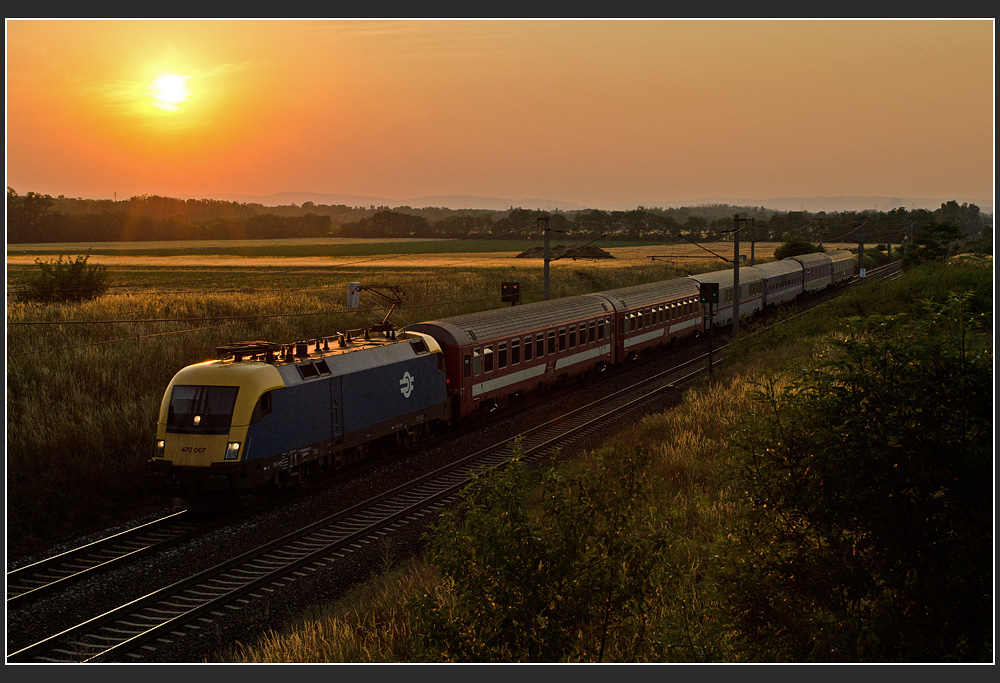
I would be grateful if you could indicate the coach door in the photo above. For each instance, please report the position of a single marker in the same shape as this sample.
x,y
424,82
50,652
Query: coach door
x,y
336,408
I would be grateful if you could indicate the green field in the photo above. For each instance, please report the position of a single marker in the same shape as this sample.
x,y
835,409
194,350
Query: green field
x,y
291,248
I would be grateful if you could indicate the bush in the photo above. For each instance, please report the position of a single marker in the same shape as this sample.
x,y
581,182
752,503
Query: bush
x,y
579,580
869,534
67,280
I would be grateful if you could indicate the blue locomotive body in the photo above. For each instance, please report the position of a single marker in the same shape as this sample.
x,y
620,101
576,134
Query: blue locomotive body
x,y
265,415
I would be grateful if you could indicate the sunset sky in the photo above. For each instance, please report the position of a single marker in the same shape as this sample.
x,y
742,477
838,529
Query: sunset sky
x,y
605,114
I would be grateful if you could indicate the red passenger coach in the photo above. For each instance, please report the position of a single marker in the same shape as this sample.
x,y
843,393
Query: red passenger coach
x,y
494,355
655,314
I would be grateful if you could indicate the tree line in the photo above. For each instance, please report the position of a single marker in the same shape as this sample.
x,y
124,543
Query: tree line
x,y
34,218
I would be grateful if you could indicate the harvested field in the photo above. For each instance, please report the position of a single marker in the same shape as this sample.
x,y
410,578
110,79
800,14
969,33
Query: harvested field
x,y
680,254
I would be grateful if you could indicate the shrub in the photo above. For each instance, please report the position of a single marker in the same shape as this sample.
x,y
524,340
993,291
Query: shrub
x,y
869,537
795,245
578,580
67,280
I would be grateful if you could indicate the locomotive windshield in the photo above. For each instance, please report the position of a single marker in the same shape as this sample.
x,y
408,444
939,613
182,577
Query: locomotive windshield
x,y
201,409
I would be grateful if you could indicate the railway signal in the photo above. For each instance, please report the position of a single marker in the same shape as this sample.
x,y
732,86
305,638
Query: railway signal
x,y
709,293
510,292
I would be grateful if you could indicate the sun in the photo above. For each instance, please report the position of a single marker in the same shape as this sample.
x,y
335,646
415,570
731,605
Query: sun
x,y
169,91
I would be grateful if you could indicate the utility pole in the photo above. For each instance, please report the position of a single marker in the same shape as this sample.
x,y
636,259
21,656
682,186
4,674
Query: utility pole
x,y
736,270
545,269
861,251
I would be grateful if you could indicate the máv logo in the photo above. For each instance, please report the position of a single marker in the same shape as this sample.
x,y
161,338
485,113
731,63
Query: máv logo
x,y
406,385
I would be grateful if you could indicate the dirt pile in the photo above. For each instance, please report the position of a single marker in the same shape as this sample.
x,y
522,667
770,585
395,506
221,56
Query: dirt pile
x,y
561,251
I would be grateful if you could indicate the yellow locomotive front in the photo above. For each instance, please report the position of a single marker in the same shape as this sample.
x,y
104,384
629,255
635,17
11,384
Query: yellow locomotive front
x,y
201,432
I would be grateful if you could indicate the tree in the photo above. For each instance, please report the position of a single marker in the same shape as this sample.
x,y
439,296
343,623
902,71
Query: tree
x,y
869,533
932,243
25,215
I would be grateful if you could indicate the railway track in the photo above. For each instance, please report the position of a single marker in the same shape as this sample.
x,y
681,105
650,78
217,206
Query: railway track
x,y
46,576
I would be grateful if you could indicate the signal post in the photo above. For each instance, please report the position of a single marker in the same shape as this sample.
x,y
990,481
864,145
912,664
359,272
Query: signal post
x,y
708,294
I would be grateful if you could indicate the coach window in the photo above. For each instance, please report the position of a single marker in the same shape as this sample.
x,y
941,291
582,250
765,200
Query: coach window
x,y
592,332
600,330
488,359
477,362
502,355
552,342
527,349
562,338
572,336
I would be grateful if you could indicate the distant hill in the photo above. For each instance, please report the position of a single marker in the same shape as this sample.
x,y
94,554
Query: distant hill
x,y
845,203
453,202
456,202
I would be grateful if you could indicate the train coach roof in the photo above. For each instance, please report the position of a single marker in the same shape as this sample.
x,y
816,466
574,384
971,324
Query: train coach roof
x,y
514,320
652,293
725,277
779,268
814,259
841,255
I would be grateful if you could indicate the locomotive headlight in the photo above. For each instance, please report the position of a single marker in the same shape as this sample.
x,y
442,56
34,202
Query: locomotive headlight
x,y
233,450
160,446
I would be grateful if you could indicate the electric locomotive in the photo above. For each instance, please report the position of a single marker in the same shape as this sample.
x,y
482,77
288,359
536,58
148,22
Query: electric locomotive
x,y
265,414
